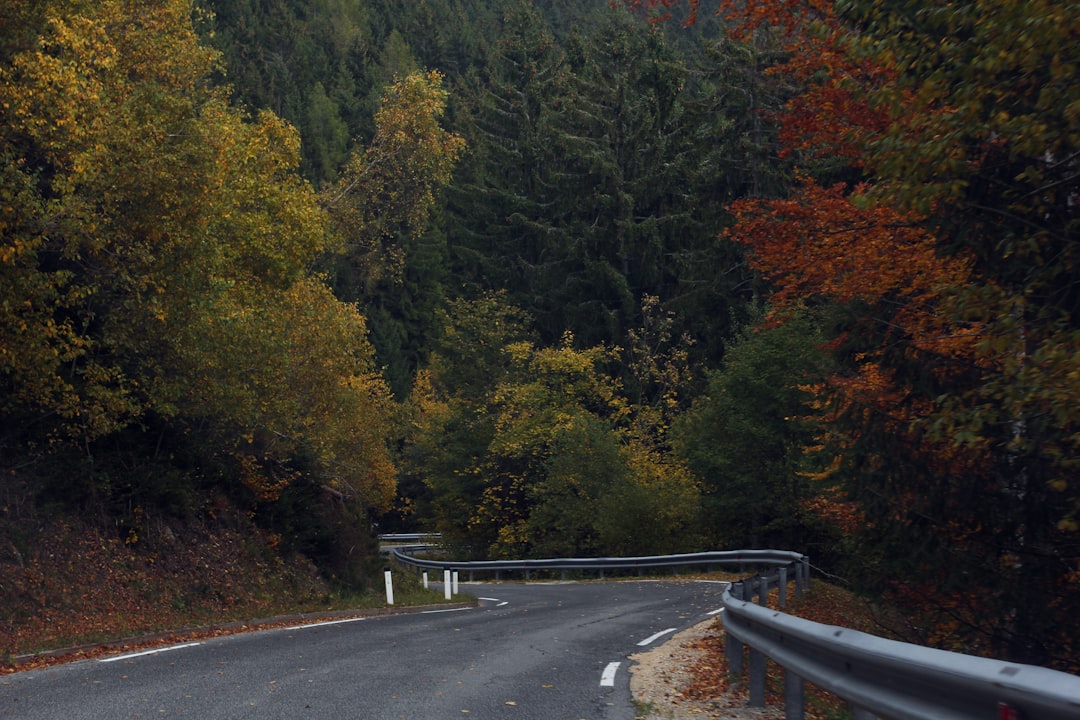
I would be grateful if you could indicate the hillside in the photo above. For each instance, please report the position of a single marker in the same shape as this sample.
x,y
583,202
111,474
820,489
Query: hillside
x,y
69,581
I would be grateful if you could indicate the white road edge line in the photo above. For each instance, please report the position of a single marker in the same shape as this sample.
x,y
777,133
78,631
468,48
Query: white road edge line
x,y
431,612
488,599
654,636
607,679
504,602
148,652
321,624
715,612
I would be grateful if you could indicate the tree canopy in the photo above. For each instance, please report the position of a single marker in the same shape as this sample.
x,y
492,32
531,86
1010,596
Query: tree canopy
x,y
560,280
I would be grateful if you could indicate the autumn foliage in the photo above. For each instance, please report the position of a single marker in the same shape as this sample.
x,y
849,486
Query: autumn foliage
x,y
946,254
189,322
165,337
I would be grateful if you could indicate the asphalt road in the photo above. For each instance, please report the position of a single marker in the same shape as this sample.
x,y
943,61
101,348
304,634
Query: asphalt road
x,y
530,651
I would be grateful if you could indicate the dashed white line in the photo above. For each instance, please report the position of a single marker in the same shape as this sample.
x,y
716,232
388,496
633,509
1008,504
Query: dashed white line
x,y
607,678
715,612
148,652
432,612
654,636
488,599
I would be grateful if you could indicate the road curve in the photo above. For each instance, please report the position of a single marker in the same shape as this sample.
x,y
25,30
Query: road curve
x,y
545,651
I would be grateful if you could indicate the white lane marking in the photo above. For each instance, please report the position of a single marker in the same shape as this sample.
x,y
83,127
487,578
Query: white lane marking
x,y
148,652
431,612
488,599
326,622
654,636
715,612
607,678
504,602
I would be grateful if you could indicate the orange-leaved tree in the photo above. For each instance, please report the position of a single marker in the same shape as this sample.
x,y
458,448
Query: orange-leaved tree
x,y
951,250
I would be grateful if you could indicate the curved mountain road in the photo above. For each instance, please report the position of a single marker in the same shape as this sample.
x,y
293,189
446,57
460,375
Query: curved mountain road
x,y
538,651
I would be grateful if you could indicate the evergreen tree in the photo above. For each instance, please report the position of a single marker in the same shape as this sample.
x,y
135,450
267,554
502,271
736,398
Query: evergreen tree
x,y
503,230
305,60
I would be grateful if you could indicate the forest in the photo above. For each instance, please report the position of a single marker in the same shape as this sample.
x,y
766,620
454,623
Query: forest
x,y
553,278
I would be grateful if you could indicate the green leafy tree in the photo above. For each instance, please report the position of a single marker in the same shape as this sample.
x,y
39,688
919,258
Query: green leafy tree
x,y
451,424
529,451
746,438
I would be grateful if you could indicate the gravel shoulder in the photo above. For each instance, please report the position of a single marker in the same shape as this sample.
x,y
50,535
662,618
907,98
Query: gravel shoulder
x,y
667,681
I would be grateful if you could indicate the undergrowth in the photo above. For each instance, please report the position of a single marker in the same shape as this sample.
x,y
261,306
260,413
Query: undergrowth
x,y
70,584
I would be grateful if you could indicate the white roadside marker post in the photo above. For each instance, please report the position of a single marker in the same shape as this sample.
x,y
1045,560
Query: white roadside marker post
x,y
389,586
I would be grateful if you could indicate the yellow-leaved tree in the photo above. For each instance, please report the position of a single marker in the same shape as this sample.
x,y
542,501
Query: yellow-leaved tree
x,y
388,188
156,253
535,451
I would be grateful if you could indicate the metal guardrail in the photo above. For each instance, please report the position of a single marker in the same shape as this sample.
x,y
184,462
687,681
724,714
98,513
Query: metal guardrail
x,y
749,558
409,537
890,679
878,677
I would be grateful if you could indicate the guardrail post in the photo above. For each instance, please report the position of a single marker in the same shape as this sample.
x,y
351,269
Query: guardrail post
x,y
757,658
794,705
733,651
783,587
757,678
800,583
